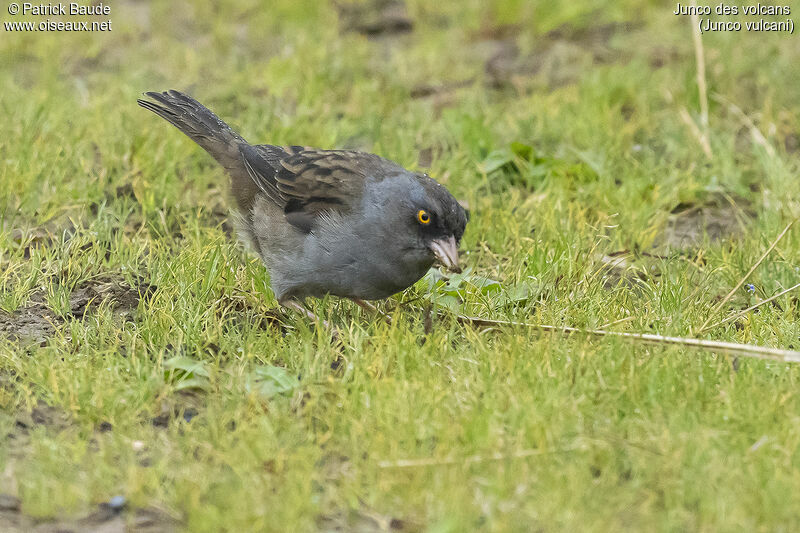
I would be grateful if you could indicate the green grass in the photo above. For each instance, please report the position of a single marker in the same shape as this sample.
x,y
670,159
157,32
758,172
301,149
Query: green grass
x,y
578,154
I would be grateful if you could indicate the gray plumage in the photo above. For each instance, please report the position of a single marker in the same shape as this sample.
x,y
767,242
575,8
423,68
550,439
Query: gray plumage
x,y
339,222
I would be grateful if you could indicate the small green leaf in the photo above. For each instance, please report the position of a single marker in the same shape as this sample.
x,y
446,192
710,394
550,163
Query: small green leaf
x,y
522,150
193,383
269,381
186,373
496,160
484,284
433,278
515,294
594,160
448,301
187,365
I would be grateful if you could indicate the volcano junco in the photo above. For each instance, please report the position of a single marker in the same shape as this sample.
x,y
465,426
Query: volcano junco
x,y
339,222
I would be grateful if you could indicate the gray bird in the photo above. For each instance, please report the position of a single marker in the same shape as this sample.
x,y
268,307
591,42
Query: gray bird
x,y
346,223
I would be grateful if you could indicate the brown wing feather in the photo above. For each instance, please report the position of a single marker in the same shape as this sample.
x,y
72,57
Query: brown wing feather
x,y
307,182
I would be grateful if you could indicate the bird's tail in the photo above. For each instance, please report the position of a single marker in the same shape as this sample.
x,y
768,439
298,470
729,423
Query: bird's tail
x,y
212,134
199,124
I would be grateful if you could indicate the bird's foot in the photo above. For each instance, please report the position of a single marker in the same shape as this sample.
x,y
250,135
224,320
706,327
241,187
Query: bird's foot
x,y
300,308
363,304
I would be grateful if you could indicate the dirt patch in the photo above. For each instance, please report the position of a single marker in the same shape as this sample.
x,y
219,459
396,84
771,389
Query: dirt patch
x,y
594,37
364,521
43,415
123,192
241,307
183,405
718,219
622,268
558,59
27,236
442,95
123,297
52,418
110,517
374,18
33,324
660,56
36,322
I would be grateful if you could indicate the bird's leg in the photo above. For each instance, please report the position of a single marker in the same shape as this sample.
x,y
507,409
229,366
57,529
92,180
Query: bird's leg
x,y
333,330
363,304
300,308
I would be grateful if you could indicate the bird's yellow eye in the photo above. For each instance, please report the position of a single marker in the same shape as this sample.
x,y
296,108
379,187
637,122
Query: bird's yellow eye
x,y
423,217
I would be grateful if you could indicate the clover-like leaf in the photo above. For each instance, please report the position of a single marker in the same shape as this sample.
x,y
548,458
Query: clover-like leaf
x,y
269,381
186,373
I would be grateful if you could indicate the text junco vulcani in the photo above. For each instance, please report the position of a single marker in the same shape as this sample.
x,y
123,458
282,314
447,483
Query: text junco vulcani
x,y
346,223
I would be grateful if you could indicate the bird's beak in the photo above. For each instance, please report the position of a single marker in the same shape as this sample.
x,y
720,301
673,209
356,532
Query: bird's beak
x,y
446,251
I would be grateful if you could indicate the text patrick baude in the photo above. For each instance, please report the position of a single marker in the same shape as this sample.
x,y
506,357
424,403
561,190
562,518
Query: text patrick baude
x,y
73,8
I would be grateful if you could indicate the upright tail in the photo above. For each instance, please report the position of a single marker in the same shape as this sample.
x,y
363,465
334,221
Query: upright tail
x,y
212,134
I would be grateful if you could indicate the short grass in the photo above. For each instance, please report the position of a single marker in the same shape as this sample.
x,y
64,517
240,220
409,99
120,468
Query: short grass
x,y
197,398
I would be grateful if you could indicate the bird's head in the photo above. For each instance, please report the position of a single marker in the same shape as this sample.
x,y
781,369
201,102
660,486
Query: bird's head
x,y
419,222
437,221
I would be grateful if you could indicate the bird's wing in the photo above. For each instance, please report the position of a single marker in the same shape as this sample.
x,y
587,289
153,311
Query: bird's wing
x,y
307,182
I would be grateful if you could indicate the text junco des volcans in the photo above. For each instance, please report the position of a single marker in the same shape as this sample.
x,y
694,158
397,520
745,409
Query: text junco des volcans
x,y
346,223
